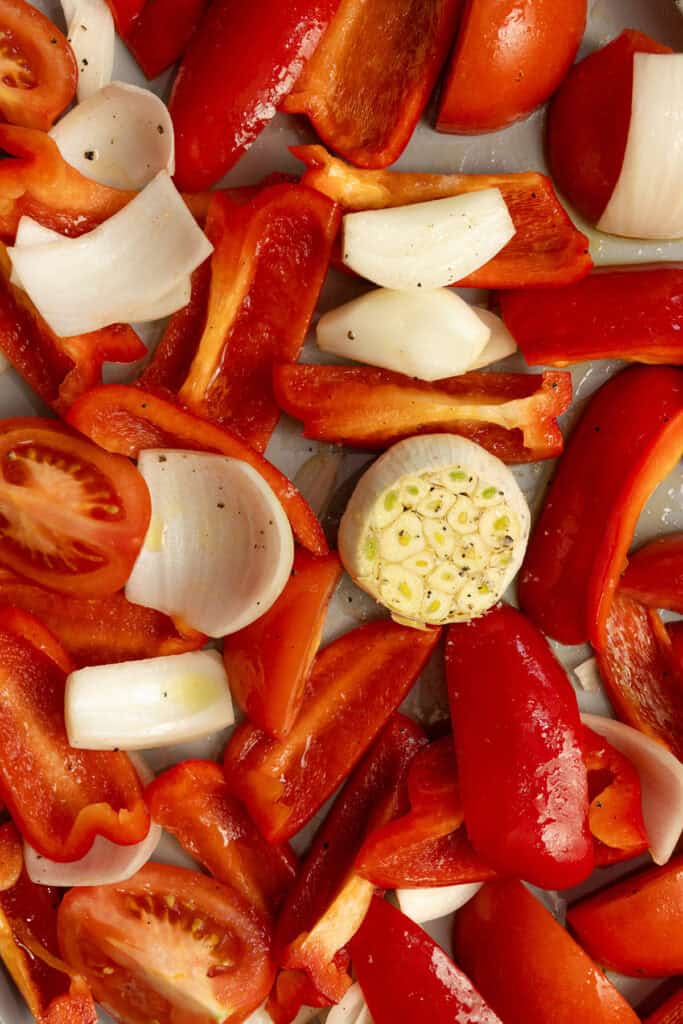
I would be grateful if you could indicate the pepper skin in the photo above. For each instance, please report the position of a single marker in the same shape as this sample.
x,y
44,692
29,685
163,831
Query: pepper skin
x,y
615,816
654,574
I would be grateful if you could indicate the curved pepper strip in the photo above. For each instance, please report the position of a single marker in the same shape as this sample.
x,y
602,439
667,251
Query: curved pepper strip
x,y
547,249
355,685
654,574
629,437
668,1012
159,36
512,415
126,13
60,798
127,420
632,313
367,84
615,815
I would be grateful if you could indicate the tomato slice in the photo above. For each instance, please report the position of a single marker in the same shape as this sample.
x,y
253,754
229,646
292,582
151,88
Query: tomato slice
x,y
169,945
38,73
72,517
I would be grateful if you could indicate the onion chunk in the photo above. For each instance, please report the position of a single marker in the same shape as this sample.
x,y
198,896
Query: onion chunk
x,y
91,32
429,904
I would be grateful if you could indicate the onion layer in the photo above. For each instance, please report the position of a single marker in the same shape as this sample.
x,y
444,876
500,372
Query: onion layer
x,y
500,345
91,32
352,1009
430,904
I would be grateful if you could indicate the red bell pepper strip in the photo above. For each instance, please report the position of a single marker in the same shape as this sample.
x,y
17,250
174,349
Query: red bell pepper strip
x,y
191,801
127,420
654,574
527,966
669,1012
126,13
634,926
640,674
615,816
520,757
512,415
240,64
547,249
367,84
329,899
674,631
160,34
628,439
59,798
354,686
445,860
268,662
270,259
406,977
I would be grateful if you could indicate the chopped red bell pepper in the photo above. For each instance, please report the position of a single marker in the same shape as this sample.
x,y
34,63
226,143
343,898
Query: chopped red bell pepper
x,y
527,966
355,684
126,13
367,84
628,439
640,673
127,420
547,249
674,631
160,34
632,313
59,798
668,1012
269,262
512,415
634,926
329,899
445,860
654,574
191,801
268,662
615,816
406,977
291,991
520,755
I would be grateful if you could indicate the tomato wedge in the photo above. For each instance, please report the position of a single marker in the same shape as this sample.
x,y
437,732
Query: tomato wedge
x,y
72,517
168,945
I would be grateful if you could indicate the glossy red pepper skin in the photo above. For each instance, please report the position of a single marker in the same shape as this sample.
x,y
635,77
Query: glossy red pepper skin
x,y
627,440
160,34
633,313
615,816
654,574
240,64
520,758
669,1012
402,971
355,685
512,415
126,13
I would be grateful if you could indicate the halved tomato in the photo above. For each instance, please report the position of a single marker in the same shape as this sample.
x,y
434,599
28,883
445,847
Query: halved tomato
x,y
169,945
72,517
38,73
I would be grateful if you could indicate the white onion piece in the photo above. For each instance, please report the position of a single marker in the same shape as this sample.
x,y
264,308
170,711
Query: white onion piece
x,y
427,245
588,675
661,782
500,345
428,334
148,703
352,1009
261,1016
430,904
122,136
91,32
647,201
219,548
118,272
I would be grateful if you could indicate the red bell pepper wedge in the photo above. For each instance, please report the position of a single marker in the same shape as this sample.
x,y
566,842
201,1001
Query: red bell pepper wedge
x,y
355,684
191,801
329,900
59,798
668,1012
674,632
615,816
160,34
629,437
268,662
406,977
240,64
520,755
547,249
427,863
512,415
654,574
634,926
127,420
367,84
632,313
270,260
527,966
126,13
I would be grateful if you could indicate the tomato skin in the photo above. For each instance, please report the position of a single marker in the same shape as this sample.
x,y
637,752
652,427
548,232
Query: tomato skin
x,y
510,56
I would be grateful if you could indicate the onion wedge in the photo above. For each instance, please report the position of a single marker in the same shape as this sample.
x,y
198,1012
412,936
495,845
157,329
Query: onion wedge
x,y
352,1009
91,32
500,345
423,905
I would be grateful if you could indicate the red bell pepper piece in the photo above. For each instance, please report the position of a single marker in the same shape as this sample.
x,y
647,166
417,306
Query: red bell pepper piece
x,y
522,776
634,926
547,249
240,64
406,977
445,860
191,801
268,663
615,816
329,899
59,798
127,420
654,574
668,1012
628,439
512,415
367,84
354,686
527,966
126,13
674,631
270,259
161,33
